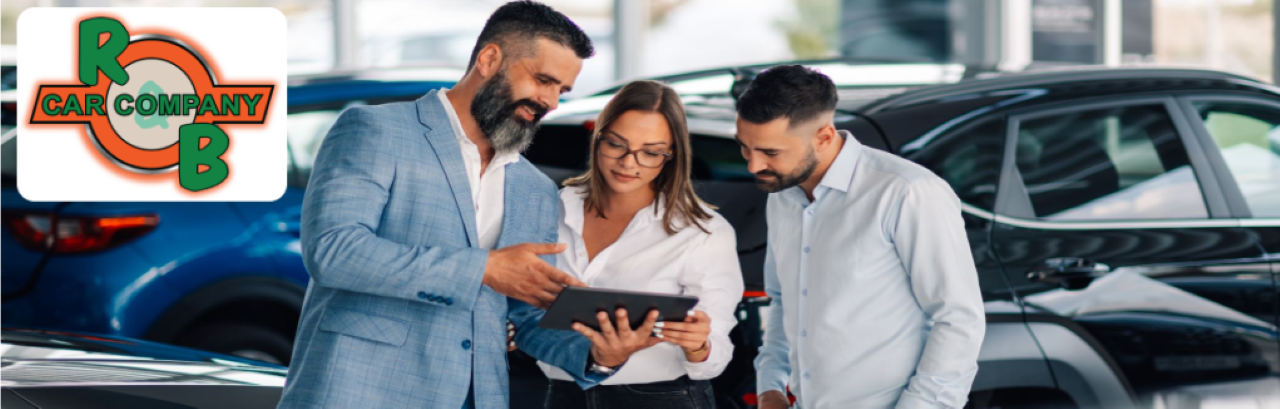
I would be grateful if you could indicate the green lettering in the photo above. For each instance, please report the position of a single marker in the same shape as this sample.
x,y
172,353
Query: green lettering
x,y
146,104
48,107
170,105
124,110
93,103
191,156
251,102
230,104
190,102
73,105
207,105
94,58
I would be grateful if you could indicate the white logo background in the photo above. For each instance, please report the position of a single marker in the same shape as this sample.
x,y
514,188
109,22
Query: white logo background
x,y
58,162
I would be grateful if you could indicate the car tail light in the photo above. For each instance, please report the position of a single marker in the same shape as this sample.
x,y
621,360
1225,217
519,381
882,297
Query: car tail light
x,y
590,124
76,234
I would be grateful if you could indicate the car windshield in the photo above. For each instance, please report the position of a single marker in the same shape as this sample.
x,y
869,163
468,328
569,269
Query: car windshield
x,y
8,148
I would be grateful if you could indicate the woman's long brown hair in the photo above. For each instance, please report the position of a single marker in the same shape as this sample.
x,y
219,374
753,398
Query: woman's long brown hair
x,y
673,184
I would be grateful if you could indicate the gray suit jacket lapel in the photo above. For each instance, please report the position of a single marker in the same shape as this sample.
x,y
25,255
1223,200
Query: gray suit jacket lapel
x,y
440,134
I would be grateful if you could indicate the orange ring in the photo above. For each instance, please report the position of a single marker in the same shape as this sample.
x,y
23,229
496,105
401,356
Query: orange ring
x,y
107,137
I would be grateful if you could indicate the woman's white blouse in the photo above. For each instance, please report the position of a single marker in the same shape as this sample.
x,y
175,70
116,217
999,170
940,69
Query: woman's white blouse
x,y
646,258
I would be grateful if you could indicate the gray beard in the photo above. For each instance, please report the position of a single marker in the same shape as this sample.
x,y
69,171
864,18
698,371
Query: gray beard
x,y
494,112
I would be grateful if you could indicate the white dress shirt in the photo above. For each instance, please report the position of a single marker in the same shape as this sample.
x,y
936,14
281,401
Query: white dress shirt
x,y
645,258
487,190
875,294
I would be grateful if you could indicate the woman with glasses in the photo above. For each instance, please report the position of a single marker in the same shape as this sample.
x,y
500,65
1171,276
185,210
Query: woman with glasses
x,y
632,222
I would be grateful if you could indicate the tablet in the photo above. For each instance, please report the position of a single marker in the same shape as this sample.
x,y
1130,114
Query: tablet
x,y
581,305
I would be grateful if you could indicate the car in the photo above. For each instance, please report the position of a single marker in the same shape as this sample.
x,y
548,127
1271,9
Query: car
x,y
8,67
223,277
55,369
1124,222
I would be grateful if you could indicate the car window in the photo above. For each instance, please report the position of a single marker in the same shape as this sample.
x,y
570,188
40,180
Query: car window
x,y
716,158
560,146
1120,163
1248,135
8,146
9,156
8,77
306,132
969,159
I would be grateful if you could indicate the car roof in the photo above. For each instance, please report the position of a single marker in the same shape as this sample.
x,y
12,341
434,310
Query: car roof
x,y
843,71
1090,80
713,115
373,84
856,79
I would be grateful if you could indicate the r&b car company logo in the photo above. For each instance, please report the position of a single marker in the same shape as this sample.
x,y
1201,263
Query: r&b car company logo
x,y
151,104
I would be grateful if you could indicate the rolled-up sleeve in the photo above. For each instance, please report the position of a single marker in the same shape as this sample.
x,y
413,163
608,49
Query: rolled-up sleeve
x,y
930,238
713,274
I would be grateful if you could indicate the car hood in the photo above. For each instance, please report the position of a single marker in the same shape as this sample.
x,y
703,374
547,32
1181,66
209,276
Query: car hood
x,y
56,358
63,372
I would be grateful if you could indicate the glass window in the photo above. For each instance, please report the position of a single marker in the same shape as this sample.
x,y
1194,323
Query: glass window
x,y
969,160
718,158
1108,164
306,132
1248,136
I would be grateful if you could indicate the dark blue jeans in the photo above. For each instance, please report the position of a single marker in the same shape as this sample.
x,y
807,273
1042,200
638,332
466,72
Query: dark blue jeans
x,y
676,394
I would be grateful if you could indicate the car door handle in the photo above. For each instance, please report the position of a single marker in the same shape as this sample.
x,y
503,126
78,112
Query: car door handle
x,y
1072,273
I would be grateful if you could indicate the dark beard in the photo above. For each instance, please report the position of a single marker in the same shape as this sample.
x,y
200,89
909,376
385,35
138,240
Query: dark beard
x,y
783,182
495,112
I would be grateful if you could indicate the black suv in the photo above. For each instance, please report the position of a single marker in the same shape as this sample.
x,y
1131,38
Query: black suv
x,y
1125,224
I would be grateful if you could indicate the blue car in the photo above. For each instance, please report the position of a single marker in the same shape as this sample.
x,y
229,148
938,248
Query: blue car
x,y
223,277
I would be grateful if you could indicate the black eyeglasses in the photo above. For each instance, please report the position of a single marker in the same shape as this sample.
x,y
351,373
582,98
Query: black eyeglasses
x,y
612,148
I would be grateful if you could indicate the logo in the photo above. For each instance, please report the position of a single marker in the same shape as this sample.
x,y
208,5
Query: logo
x,y
152,101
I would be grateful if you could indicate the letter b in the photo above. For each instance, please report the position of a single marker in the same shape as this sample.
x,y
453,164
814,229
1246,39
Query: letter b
x,y
191,156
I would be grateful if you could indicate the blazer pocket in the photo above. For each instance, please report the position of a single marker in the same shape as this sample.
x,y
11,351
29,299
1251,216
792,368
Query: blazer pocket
x,y
365,326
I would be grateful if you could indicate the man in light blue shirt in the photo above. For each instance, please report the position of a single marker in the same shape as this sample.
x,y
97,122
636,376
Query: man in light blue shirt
x,y
875,295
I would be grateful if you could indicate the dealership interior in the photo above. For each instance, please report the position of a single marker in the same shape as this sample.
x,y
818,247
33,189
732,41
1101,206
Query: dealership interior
x,y
1117,165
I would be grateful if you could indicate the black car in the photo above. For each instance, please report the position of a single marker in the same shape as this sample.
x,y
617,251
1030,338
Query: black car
x,y
1125,224
52,369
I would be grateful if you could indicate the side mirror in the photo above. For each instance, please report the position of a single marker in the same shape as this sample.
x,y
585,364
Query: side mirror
x,y
1071,273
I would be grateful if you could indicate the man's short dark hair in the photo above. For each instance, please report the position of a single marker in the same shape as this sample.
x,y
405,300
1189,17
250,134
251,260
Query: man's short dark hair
x,y
515,25
795,92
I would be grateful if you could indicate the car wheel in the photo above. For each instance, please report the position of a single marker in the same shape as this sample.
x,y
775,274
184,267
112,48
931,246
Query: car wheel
x,y
239,339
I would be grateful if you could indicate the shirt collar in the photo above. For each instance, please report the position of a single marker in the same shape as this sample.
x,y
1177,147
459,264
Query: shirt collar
x,y
499,159
840,175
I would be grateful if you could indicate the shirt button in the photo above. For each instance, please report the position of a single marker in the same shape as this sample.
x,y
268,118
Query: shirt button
x,y
804,333
422,295
804,292
806,375
806,250
466,344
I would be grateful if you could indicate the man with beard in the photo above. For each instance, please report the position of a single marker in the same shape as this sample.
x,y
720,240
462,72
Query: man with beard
x,y
875,294
421,219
